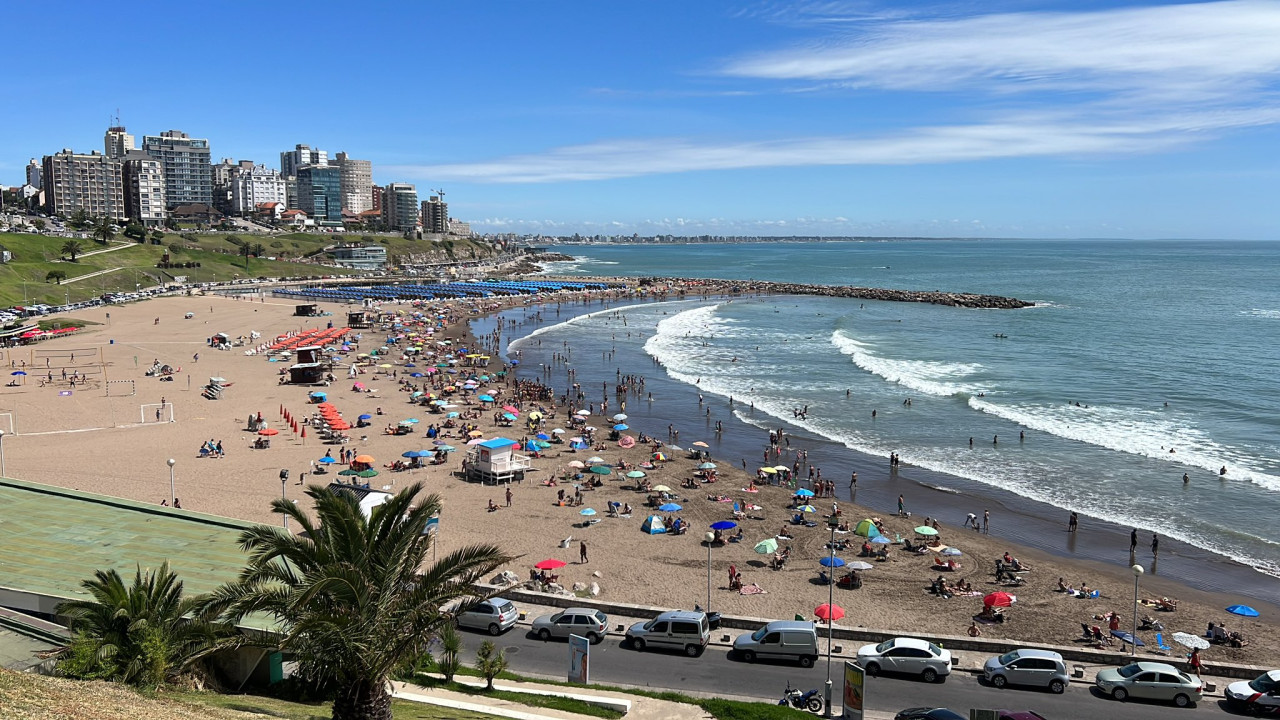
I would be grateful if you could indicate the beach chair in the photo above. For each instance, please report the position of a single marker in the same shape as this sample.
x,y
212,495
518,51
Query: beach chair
x,y
1160,642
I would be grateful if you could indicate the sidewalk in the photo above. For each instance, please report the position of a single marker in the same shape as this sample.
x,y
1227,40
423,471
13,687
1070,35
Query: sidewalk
x,y
633,706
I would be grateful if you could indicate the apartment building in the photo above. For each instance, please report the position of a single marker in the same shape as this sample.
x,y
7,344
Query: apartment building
x,y
355,177
292,160
320,193
144,188
74,181
187,172
400,207
435,216
254,186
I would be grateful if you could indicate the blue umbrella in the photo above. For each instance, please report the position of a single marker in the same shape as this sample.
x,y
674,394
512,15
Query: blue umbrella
x,y
485,398
881,540
413,454
508,416
954,552
366,416
724,525
831,562
447,448
804,493
621,426
587,511
543,436
1242,610
326,460
452,415
670,507
18,372
1126,637
416,374
410,365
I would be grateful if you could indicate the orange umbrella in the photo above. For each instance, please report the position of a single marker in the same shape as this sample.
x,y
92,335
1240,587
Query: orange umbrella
x,y
365,459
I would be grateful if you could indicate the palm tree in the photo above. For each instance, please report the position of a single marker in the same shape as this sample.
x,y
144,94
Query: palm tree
x,y
72,248
105,231
143,634
354,595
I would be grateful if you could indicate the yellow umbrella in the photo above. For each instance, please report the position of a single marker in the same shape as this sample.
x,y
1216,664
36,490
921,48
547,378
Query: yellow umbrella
x,y
384,365
661,488
768,471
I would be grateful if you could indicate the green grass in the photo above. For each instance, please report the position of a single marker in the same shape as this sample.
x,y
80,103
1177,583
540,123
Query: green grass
x,y
550,702
717,708
286,710
61,322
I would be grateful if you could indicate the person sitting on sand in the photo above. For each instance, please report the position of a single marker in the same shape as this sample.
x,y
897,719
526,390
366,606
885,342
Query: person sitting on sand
x,y
1062,586
1020,566
736,537
974,630
1085,590
492,506
782,533
626,508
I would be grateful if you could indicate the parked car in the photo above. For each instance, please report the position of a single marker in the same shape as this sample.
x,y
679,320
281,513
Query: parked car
x,y
496,615
1018,715
678,629
1151,681
1261,694
780,640
584,622
1036,668
926,713
910,656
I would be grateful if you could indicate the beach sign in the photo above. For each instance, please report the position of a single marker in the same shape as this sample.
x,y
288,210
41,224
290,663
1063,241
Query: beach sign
x,y
579,654
854,692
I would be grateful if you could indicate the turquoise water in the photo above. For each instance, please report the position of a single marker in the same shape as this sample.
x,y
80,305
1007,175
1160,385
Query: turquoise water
x,y
1122,328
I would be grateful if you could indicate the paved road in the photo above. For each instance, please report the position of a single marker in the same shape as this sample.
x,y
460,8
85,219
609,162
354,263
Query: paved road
x,y
716,674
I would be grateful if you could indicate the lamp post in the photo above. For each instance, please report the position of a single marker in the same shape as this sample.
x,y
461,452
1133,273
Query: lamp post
x,y
2,472
709,537
171,462
833,522
1137,574
284,479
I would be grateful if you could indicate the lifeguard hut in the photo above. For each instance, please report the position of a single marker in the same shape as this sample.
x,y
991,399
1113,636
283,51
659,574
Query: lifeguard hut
x,y
358,319
495,461
307,310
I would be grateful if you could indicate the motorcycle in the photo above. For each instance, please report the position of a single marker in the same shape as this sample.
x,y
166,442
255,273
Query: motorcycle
x,y
811,701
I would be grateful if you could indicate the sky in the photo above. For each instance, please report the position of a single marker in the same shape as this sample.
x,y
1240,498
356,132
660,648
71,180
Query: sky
x,y
1006,118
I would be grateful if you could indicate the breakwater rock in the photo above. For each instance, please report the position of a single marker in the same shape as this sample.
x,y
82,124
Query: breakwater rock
x,y
933,297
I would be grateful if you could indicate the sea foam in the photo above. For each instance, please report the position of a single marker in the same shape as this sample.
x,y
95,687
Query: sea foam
x,y
926,376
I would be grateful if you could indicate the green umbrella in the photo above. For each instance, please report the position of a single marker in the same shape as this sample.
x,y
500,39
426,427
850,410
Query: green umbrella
x,y
542,444
766,546
635,474
601,470
807,508
926,530
349,471
368,473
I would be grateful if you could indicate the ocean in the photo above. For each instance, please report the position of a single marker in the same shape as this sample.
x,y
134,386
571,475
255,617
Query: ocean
x,y
1141,362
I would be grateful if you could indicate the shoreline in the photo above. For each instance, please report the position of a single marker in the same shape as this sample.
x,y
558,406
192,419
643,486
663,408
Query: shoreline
x,y
1023,521
657,570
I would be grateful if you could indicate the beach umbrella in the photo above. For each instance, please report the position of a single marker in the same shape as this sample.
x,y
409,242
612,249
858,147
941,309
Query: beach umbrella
x,y
782,468
952,552
859,565
576,464
485,398
543,436
802,492
701,444
636,474
18,372
349,472
411,454
508,416
595,459
550,564
416,374
677,448
926,530
368,473
535,415
511,408
880,540
475,434
365,416
326,460
1242,610
660,457
807,509
621,426
367,459
1187,640
768,471
619,417
452,415
541,444
999,599
558,431
707,466
724,525
601,470
583,413
587,511
828,613
269,431
831,561
1123,636
766,546
670,507
661,488
447,448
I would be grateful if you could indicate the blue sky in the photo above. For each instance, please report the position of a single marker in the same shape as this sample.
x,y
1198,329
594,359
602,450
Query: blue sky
x,y
1014,118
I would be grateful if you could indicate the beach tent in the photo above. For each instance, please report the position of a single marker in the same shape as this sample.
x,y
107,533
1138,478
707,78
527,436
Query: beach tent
x,y
653,525
867,529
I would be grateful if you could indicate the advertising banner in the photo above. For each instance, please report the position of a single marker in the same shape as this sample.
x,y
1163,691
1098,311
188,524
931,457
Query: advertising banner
x,y
579,652
854,691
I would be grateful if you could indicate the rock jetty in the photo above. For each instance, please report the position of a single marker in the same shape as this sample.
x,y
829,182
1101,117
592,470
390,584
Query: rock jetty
x,y
933,297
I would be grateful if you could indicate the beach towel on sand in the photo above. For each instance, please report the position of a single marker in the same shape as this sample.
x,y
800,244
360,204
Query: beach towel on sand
x,y
752,589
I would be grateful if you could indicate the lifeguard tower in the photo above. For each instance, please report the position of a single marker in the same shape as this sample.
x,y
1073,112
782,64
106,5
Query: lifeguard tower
x,y
495,461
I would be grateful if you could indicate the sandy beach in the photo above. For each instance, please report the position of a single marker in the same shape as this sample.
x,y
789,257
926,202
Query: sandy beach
x,y
103,436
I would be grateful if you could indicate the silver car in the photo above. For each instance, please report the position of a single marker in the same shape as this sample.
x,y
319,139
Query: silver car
x,y
1038,668
910,656
494,615
583,622
1151,681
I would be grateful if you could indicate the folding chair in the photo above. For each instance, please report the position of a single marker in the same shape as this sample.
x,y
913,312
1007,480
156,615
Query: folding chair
x,y
1160,642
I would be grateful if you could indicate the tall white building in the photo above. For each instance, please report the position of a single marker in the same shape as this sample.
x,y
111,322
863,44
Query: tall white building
x,y
400,206
435,216
291,160
117,142
144,188
355,177
187,174
75,181
34,173
255,185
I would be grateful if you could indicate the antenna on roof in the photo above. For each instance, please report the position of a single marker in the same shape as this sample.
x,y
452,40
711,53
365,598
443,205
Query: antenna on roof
x,y
440,193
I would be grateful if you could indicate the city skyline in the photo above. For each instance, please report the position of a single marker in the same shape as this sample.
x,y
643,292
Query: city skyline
x,y
1018,119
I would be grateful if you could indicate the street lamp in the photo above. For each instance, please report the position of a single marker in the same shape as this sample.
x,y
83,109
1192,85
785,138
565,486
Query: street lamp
x,y
284,478
709,537
170,462
1137,574
833,522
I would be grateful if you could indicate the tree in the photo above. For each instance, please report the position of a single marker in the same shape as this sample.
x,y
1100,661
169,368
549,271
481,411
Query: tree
x,y
105,231
450,652
80,219
258,250
136,231
491,662
157,236
354,596
171,223
38,224
56,275
71,249
143,634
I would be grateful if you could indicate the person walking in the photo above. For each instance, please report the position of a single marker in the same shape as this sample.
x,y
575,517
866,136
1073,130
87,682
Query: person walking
x,y
1197,666
582,551
986,522
1133,541
1155,545
1073,523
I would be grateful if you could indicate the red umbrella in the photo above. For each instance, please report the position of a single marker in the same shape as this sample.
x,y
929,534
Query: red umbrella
x,y
511,409
269,431
999,599
550,564
829,613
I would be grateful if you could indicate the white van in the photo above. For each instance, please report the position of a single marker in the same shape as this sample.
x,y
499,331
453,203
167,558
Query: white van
x,y
679,629
780,639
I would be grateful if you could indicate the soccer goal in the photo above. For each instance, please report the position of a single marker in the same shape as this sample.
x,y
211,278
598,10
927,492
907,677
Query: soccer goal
x,y
6,423
155,412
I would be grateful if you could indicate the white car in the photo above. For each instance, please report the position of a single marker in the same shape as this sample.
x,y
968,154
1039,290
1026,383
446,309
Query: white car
x,y
910,656
1262,694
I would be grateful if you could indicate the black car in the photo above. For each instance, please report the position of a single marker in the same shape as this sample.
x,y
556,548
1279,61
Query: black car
x,y
924,713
